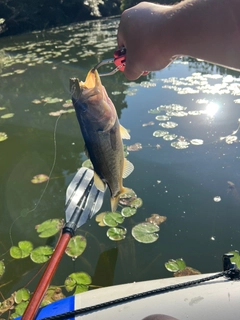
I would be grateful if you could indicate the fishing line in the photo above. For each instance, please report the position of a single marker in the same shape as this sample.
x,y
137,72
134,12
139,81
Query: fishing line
x,y
45,188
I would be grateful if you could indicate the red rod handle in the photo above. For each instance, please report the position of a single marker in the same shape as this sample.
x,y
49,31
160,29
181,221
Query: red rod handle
x,y
46,278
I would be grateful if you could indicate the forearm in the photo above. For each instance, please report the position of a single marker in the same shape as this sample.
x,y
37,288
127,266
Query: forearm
x,y
207,29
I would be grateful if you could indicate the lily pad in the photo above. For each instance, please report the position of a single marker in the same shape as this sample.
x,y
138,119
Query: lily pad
x,y
188,271
196,142
180,144
175,265
168,124
40,178
41,254
235,258
136,203
88,164
169,137
160,133
162,118
76,246
22,295
116,234
156,219
49,228
145,232
128,211
19,309
112,219
51,100
22,251
135,147
2,268
7,115
79,281
53,294
99,219
3,136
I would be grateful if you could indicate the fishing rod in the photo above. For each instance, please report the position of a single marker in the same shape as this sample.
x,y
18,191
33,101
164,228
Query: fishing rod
x,y
83,201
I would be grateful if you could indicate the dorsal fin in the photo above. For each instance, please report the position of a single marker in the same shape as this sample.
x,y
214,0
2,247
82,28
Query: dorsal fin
x,y
124,133
128,168
98,182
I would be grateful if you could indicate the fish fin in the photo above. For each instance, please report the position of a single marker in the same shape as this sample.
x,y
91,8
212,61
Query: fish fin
x,y
124,133
115,200
99,183
128,168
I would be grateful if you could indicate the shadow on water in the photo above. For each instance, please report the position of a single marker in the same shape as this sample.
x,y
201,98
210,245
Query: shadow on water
x,y
179,184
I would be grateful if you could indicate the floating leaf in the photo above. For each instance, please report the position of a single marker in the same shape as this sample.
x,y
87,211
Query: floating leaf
x,y
231,139
22,295
116,234
169,137
49,228
36,101
235,258
2,268
53,294
78,280
128,211
99,219
20,71
162,118
41,254
168,124
160,133
135,147
154,111
76,246
7,115
88,164
19,309
180,144
2,108
156,219
196,142
151,123
51,100
112,219
40,178
145,232
3,136
22,251
188,271
136,203
175,265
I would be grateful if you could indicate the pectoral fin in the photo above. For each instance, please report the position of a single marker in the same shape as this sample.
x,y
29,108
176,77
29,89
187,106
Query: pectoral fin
x,y
128,168
99,183
124,133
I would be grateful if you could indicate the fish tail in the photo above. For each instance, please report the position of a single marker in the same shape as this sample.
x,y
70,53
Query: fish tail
x,y
115,200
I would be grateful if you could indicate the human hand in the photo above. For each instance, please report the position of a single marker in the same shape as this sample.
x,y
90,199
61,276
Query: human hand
x,y
144,32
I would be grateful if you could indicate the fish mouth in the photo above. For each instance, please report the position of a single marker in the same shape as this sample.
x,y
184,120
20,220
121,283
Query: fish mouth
x,y
92,80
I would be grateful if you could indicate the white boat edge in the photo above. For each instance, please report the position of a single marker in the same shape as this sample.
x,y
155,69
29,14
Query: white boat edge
x,y
217,299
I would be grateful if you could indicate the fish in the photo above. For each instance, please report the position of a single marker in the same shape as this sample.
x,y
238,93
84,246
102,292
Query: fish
x,y
102,134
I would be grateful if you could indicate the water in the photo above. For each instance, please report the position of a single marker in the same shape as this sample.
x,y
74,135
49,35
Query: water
x,y
177,183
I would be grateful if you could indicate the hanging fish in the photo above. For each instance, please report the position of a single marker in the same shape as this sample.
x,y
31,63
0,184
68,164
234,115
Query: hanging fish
x,y
102,134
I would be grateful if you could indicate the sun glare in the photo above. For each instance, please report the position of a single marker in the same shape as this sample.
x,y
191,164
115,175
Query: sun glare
x,y
211,109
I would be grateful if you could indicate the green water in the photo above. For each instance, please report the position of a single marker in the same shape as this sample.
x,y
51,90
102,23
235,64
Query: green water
x,y
177,183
